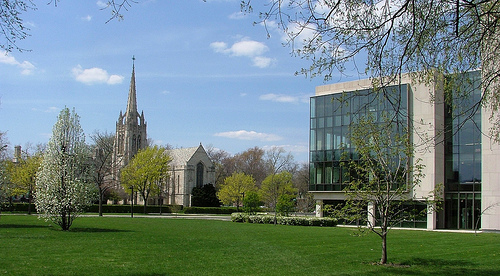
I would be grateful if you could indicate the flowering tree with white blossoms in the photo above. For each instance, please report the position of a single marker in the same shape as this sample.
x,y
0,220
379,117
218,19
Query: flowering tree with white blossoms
x,y
63,186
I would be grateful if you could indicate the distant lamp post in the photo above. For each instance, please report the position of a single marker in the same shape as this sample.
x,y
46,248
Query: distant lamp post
x,y
132,202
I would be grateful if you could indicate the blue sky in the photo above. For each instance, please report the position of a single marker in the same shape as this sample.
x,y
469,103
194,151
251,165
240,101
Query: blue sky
x,y
204,73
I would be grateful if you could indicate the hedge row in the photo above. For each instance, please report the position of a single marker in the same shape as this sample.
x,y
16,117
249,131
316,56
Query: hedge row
x,y
17,207
269,219
137,208
210,210
23,207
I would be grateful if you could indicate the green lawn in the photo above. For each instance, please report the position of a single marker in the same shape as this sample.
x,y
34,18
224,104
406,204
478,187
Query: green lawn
x,y
157,246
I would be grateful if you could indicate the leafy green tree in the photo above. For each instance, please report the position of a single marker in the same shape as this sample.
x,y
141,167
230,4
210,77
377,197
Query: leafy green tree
x,y
145,172
276,185
286,204
64,186
251,202
205,196
235,187
24,174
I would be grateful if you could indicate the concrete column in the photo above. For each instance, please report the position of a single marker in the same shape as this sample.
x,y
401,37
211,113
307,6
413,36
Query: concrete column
x,y
371,214
431,218
319,208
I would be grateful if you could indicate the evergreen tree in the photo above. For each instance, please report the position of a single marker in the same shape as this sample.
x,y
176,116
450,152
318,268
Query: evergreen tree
x,y
63,186
205,196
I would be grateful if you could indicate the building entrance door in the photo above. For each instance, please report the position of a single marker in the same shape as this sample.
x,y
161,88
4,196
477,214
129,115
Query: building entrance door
x,y
462,210
466,211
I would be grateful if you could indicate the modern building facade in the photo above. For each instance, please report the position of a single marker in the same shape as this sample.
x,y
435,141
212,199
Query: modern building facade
x,y
450,139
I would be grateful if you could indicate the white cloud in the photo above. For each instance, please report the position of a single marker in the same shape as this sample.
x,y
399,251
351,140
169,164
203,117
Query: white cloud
x,y
290,148
249,135
30,24
95,75
245,48
238,15
5,59
26,67
262,62
51,109
248,48
102,4
115,79
87,18
280,98
219,46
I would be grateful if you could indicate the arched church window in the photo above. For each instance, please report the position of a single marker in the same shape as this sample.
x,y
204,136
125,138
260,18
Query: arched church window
x,y
199,174
138,142
134,144
120,143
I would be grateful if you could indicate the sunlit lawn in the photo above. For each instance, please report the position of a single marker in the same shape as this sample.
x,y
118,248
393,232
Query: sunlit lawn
x,y
159,246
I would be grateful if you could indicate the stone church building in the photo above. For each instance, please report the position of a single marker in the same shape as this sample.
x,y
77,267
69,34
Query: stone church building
x,y
189,168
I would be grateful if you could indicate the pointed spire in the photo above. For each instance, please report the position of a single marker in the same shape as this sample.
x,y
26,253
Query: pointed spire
x,y
132,99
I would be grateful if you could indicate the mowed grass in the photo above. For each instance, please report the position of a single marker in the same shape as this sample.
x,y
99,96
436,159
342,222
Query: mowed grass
x,y
160,246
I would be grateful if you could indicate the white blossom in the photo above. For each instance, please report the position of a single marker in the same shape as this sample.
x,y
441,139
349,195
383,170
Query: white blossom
x,y
63,185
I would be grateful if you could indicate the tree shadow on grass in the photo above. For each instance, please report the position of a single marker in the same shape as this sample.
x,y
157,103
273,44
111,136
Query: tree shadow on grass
x,y
56,228
18,226
435,267
96,230
148,274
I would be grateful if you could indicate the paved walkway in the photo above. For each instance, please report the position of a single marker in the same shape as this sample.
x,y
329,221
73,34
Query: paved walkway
x,y
168,216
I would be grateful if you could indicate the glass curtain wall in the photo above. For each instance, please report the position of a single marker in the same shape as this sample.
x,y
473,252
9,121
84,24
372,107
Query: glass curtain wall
x,y
463,153
331,116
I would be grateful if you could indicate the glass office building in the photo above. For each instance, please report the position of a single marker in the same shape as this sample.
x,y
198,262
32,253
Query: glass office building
x,y
449,135
331,116
463,157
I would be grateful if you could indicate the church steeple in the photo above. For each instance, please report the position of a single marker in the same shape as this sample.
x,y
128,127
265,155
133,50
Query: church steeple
x,y
132,98
131,134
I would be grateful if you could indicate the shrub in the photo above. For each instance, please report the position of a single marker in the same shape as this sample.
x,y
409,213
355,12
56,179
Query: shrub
x,y
286,204
269,219
17,207
23,207
209,210
205,196
251,202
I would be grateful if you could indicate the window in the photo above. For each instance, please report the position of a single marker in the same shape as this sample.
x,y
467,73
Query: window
x,y
331,117
199,175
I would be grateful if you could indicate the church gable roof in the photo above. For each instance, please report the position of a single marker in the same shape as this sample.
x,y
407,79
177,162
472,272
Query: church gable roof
x,y
182,156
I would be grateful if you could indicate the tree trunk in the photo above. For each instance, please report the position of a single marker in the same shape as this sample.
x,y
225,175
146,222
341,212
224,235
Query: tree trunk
x,y
161,203
383,259
64,222
101,194
29,203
